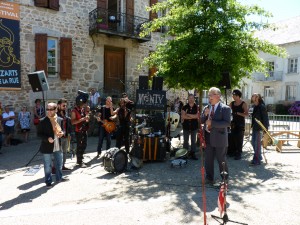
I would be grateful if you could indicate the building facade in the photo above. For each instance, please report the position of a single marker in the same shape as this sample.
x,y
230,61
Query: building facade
x,y
81,44
282,85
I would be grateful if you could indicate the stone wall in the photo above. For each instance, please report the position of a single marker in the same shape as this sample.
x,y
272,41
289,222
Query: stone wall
x,y
88,69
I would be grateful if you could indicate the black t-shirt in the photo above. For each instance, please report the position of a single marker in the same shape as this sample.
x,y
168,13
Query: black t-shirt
x,y
105,113
238,120
190,124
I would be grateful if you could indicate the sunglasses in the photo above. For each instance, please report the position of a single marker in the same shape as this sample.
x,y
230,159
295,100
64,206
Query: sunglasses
x,y
63,105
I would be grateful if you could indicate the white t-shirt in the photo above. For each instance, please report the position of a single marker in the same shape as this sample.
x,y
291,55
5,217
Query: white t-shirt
x,y
94,99
11,122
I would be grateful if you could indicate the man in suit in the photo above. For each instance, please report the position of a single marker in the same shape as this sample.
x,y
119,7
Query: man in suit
x,y
216,118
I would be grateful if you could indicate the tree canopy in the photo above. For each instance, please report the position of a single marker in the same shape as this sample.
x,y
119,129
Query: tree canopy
x,y
206,38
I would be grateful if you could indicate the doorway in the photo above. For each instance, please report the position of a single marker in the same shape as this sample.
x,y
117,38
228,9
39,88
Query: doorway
x,y
114,70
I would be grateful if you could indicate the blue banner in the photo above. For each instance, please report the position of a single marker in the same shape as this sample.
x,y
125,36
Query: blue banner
x,y
10,63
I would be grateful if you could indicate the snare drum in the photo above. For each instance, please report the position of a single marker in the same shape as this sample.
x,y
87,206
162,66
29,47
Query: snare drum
x,y
115,160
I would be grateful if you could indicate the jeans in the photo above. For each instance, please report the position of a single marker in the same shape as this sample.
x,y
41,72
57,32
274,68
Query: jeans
x,y
256,144
237,139
48,166
65,143
186,135
102,134
123,136
81,139
0,140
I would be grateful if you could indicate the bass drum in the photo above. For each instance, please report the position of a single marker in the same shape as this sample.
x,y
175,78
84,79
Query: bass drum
x,y
115,160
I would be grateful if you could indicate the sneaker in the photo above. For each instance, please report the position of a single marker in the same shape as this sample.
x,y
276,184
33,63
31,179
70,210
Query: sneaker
x,y
237,157
49,185
82,165
209,182
252,163
64,179
193,156
65,168
98,155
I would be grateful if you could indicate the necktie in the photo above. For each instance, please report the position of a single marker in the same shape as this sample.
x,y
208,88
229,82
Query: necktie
x,y
212,113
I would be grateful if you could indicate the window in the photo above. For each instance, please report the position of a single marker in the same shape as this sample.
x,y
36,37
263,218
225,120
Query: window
x,y
52,57
51,4
47,53
290,92
270,69
293,62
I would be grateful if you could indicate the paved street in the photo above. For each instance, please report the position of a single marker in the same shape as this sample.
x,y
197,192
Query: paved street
x,y
155,194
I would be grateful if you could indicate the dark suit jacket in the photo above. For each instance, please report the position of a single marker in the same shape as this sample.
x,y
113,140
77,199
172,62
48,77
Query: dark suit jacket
x,y
44,131
219,126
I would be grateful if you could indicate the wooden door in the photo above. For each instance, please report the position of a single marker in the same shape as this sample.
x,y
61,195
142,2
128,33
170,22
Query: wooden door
x,y
114,70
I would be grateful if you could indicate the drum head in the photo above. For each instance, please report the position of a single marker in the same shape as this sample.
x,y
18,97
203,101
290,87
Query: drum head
x,y
136,162
120,161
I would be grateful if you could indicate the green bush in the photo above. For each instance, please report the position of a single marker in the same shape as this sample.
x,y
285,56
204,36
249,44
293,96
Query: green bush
x,y
281,109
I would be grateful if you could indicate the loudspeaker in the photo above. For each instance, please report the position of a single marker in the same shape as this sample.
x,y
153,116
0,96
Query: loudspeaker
x,y
225,81
38,81
157,83
143,82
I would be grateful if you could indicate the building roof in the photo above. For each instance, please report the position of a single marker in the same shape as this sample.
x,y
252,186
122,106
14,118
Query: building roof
x,y
287,31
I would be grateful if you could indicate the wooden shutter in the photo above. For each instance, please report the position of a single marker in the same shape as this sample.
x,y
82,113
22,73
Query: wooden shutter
x,y
130,7
102,4
41,52
152,14
65,58
41,3
54,4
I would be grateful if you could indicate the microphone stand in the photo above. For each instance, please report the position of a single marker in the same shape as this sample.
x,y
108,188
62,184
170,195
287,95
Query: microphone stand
x,y
225,217
202,147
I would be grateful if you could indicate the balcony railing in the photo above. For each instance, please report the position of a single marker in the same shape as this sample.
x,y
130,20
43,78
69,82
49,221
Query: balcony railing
x,y
110,22
273,76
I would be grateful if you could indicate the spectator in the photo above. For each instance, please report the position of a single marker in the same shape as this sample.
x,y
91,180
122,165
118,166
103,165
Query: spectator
x,y
38,111
24,121
9,124
259,113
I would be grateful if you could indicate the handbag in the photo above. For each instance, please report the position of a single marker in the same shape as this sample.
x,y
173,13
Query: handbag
x,y
36,121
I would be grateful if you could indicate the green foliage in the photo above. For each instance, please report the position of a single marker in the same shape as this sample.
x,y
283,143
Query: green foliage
x,y
206,38
281,109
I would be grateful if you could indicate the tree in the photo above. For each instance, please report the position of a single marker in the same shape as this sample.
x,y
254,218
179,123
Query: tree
x,y
206,38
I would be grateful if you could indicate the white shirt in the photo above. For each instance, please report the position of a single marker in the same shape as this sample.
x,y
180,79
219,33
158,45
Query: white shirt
x,y
11,122
94,99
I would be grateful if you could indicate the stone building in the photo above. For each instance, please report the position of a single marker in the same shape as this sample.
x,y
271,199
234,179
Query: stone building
x,y
81,44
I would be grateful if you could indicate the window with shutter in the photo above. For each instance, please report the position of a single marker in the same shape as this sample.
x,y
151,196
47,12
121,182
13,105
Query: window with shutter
x,y
54,4
65,58
51,4
102,4
41,52
52,55
153,15
130,7
41,3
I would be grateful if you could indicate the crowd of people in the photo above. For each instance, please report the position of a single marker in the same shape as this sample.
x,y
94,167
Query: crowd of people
x,y
223,128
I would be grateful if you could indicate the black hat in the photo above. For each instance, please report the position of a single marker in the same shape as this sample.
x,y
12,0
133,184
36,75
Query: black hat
x,y
237,92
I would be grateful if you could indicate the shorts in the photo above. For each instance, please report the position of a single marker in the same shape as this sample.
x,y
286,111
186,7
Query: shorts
x,y
9,129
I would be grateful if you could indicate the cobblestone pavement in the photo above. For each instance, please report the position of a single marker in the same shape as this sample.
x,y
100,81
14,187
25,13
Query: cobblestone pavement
x,y
155,194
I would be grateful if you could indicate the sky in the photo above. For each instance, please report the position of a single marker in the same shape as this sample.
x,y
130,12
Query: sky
x,y
281,9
